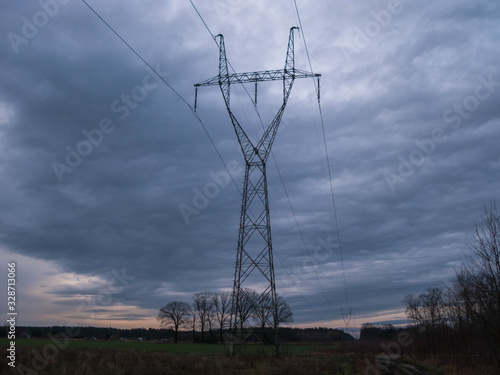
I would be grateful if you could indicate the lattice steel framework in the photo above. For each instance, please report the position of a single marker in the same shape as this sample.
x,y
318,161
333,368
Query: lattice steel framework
x,y
254,255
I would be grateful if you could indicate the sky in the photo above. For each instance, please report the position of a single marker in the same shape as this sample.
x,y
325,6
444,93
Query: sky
x,y
114,200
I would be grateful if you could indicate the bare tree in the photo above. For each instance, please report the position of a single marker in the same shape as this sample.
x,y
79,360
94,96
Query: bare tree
x,y
284,312
463,299
203,305
194,324
463,317
413,309
482,272
246,306
459,316
432,303
210,320
222,308
174,314
264,311
427,310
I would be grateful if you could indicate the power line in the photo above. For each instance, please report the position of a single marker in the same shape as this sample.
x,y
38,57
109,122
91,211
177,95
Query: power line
x,y
170,87
195,114
206,26
327,158
304,242
296,287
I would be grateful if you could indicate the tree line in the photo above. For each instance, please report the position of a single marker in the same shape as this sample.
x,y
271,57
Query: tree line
x,y
287,334
100,333
212,311
461,320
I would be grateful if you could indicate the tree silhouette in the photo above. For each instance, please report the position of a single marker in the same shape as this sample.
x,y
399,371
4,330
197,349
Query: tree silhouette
x,y
481,273
203,305
264,311
174,314
222,307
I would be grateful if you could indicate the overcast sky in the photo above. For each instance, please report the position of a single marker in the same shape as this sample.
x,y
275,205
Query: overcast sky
x,y
100,160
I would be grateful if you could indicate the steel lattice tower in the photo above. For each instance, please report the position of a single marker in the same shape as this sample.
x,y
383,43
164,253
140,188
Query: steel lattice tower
x,y
254,257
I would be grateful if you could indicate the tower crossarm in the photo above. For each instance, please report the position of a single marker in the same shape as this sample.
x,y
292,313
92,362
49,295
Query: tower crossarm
x,y
224,80
260,76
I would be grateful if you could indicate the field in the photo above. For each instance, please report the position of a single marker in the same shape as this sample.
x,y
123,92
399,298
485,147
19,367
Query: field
x,y
209,349
132,357
79,357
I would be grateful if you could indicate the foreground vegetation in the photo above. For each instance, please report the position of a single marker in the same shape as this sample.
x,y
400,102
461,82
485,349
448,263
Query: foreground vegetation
x,y
460,322
144,358
191,348
81,357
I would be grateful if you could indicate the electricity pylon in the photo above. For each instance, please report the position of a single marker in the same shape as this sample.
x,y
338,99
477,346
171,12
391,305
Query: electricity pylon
x,y
254,257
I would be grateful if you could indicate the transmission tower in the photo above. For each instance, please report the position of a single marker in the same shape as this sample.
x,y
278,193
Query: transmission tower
x,y
254,256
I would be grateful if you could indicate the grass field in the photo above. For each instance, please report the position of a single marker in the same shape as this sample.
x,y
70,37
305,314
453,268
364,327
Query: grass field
x,y
82,357
79,357
209,349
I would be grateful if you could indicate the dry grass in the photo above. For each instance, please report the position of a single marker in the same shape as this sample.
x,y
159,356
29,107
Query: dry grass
x,y
115,362
443,368
350,358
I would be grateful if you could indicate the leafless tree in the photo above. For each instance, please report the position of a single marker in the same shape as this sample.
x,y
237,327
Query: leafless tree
x,y
459,317
174,314
203,305
264,311
210,320
414,309
222,309
246,306
284,312
427,310
194,324
481,274
463,317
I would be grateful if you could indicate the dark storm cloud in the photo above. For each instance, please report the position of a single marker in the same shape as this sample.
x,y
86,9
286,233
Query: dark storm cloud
x,y
405,197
